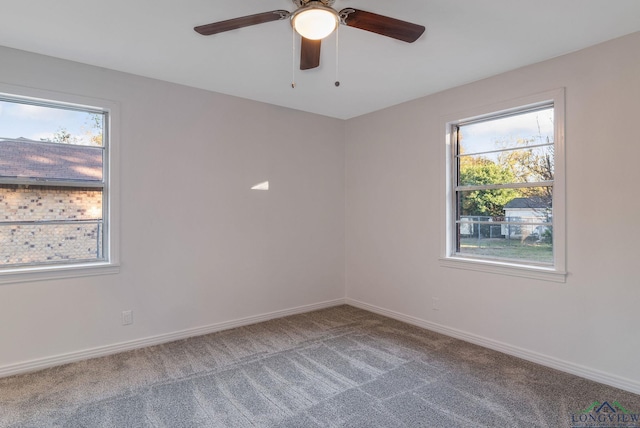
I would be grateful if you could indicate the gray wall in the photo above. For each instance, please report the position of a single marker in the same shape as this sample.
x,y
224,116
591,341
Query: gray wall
x,y
199,249
395,186
197,246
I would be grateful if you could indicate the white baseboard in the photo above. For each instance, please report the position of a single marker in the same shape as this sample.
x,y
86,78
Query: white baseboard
x,y
544,360
43,363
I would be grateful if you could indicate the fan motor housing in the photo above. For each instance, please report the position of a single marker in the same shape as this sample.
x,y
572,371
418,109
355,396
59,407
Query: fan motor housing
x,y
302,3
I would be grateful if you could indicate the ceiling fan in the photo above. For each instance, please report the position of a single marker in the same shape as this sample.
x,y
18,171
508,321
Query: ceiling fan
x,y
315,20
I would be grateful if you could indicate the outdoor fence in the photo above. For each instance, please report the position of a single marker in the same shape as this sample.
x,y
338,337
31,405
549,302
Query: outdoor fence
x,y
502,227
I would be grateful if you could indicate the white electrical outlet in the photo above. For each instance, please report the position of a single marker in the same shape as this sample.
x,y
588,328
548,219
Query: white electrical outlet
x,y
127,317
435,303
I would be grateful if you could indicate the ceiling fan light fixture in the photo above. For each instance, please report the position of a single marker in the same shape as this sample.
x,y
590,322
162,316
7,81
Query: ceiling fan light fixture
x,y
315,21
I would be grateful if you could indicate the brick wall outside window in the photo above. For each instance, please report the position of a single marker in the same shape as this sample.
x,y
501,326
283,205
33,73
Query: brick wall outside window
x,y
21,244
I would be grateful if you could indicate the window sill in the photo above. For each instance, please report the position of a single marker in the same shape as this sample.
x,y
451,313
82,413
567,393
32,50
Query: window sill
x,y
523,271
43,273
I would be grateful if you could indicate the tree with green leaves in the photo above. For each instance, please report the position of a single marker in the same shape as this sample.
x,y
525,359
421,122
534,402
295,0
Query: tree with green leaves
x,y
488,202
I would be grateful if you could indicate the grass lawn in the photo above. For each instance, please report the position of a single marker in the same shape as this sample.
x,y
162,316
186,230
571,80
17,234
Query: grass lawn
x,y
508,249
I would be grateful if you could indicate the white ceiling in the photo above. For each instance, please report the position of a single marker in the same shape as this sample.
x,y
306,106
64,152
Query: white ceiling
x,y
465,40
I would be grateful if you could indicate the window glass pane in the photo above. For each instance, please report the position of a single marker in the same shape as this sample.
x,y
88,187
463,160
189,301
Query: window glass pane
x,y
50,243
53,166
24,121
44,160
512,166
43,224
501,184
509,132
498,203
50,142
506,223
45,203
535,246
514,224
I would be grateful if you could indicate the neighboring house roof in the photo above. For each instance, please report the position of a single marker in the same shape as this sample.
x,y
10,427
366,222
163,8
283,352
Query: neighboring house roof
x,y
55,161
524,203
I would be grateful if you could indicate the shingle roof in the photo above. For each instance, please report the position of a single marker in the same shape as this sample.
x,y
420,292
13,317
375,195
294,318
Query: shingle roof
x,y
535,202
55,161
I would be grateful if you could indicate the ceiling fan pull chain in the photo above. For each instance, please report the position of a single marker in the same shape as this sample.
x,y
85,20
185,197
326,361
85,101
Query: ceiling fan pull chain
x,y
293,58
337,83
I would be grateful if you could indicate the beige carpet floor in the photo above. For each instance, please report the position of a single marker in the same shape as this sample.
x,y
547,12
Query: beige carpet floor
x,y
337,367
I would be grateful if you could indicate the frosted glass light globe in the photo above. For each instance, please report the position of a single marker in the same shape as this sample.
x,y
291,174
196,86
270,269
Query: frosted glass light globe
x,y
315,22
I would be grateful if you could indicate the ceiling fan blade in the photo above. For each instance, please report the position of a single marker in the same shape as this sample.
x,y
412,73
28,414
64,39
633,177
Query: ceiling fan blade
x,y
309,53
245,21
383,25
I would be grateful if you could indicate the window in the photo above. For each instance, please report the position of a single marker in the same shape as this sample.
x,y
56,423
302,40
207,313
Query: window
x,y
54,187
504,190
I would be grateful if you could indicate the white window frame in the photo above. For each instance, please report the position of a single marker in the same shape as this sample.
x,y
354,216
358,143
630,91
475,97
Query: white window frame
x,y
111,264
449,258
